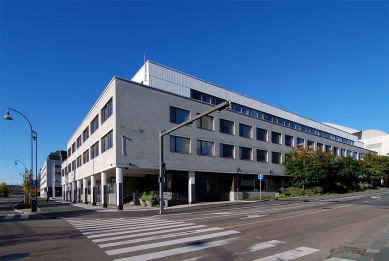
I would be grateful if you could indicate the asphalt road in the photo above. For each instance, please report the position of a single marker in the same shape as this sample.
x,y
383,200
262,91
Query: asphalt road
x,y
335,227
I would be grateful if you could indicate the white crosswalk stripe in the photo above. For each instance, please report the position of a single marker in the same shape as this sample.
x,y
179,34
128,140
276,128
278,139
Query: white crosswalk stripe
x,y
16,217
148,239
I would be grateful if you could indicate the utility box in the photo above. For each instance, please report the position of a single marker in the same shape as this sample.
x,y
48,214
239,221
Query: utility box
x,y
34,205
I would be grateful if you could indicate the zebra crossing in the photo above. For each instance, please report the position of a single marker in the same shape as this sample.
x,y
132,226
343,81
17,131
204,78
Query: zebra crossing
x,y
14,216
156,238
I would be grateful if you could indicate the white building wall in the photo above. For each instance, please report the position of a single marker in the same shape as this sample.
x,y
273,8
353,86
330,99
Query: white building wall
x,y
170,80
104,160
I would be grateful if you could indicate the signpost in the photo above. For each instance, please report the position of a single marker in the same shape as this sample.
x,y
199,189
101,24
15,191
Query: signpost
x,y
260,177
33,183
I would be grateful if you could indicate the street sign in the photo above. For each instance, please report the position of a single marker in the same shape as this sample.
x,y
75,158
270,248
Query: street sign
x,y
33,183
260,176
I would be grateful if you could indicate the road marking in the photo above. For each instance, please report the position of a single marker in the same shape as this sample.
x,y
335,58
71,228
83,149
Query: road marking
x,y
24,216
288,217
253,216
169,243
290,255
176,251
121,226
241,213
262,246
148,228
9,216
186,233
177,228
338,259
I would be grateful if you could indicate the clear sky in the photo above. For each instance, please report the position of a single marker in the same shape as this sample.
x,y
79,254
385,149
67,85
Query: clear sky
x,y
324,60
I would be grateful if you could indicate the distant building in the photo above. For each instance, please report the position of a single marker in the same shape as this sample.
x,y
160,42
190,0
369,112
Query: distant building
x,y
114,151
374,140
50,174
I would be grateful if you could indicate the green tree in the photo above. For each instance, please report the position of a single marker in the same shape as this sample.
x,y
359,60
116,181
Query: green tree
x,y
374,168
348,171
3,189
301,165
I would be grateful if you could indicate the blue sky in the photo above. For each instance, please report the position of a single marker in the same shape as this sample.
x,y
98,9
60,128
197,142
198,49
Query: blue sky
x,y
325,60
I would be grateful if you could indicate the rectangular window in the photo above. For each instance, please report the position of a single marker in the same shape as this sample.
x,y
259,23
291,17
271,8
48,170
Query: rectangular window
x,y
179,144
73,164
205,147
69,152
78,141
94,125
328,148
178,115
300,142
349,153
226,126
79,161
205,122
360,156
319,146
254,113
310,145
262,155
261,134
355,155
85,134
288,141
69,168
107,141
73,147
85,156
244,131
106,111
245,153
336,151
276,137
276,157
342,152
94,150
226,151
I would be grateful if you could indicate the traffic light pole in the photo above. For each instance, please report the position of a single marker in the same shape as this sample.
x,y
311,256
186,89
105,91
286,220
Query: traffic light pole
x,y
222,106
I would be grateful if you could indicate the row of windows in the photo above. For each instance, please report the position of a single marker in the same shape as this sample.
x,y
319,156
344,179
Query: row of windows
x,y
106,111
204,147
91,153
268,117
178,115
182,145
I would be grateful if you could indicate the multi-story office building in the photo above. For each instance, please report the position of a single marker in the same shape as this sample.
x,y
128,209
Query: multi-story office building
x,y
50,175
374,140
115,150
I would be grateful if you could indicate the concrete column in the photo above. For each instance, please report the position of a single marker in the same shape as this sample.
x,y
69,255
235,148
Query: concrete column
x,y
63,192
74,191
93,190
119,188
85,187
104,189
78,192
191,187
66,192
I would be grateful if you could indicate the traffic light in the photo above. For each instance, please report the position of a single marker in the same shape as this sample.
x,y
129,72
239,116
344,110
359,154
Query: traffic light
x,y
163,166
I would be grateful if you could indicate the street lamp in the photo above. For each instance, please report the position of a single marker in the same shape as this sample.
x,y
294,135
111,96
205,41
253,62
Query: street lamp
x,y
8,117
25,168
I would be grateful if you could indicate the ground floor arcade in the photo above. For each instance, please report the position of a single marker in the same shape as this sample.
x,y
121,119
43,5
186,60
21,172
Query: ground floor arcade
x,y
180,187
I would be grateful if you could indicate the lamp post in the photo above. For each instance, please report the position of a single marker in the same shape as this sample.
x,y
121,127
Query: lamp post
x,y
25,168
8,117
24,176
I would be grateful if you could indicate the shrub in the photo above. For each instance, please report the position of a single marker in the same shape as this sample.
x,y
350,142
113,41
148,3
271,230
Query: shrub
x,y
292,191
